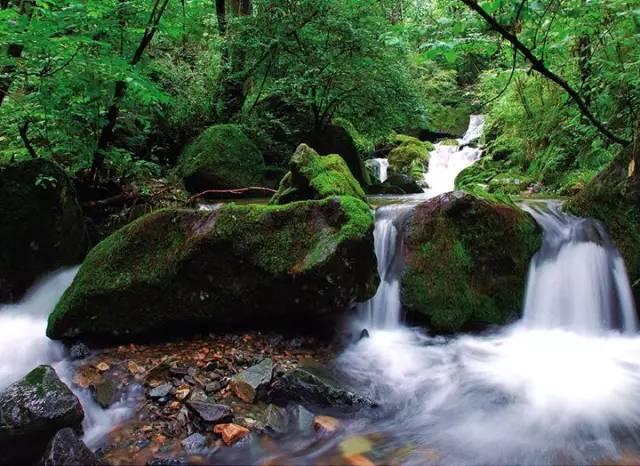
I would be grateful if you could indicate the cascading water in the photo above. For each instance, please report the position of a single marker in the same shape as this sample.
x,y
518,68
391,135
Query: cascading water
x,y
380,168
558,387
446,161
579,271
24,345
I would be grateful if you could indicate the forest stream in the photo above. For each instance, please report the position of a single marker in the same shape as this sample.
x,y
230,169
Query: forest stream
x,y
557,386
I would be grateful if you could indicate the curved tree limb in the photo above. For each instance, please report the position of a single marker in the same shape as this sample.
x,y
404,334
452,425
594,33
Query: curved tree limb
x,y
539,66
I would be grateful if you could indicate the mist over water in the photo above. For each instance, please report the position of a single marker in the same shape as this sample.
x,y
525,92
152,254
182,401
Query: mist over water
x,y
558,387
24,345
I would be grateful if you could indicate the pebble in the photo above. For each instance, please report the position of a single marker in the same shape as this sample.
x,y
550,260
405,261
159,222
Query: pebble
x,y
194,443
79,351
231,433
211,412
161,391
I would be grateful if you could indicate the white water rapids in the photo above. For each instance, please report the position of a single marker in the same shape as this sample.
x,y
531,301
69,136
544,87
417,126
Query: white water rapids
x,y
24,345
558,387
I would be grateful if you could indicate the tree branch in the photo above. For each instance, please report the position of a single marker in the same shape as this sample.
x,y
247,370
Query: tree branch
x,y
539,66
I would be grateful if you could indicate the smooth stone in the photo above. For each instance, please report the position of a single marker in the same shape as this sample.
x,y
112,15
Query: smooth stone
x,y
303,419
32,410
79,351
106,393
194,443
277,419
211,412
247,384
66,449
161,391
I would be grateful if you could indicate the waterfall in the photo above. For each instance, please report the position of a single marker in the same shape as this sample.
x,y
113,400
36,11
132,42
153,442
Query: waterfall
x,y
577,281
24,345
384,309
380,168
446,161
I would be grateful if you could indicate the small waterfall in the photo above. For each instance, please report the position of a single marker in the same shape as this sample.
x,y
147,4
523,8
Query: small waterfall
x,y
24,345
384,309
447,161
380,168
577,281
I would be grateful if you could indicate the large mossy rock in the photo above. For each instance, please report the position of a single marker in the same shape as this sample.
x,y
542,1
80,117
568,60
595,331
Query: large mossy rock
x,y
312,176
222,157
32,410
41,224
334,139
613,197
467,261
410,157
297,266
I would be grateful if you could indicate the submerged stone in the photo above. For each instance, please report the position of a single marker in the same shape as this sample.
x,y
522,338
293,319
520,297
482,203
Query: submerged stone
x,y
66,449
466,262
277,419
317,387
106,393
248,383
298,266
194,443
32,410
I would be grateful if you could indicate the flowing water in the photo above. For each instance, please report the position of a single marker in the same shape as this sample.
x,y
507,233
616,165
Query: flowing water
x,y
558,387
24,345
380,168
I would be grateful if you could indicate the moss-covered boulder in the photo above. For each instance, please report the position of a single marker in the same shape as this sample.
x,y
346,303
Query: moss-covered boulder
x,y
613,197
396,184
41,224
297,266
313,176
410,157
467,261
32,410
334,139
222,157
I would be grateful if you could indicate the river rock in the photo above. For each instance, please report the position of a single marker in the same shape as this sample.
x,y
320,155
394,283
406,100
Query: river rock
x,y
42,227
277,419
211,412
466,262
66,449
79,351
613,197
312,176
106,393
396,183
231,433
160,391
194,443
294,267
317,387
32,410
250,382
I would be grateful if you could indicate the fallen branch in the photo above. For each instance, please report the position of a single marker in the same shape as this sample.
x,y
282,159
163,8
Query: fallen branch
x,y
539,66
231,191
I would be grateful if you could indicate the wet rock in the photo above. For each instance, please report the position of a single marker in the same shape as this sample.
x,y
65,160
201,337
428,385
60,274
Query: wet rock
x,y
32,410
364,334
252,382
213,387
277,419
178,371
79,351
326,425
467,260
303,419
211,412
106,393
161,391
397,184
317,387
42,226
239,266
195,443
231,433
66,449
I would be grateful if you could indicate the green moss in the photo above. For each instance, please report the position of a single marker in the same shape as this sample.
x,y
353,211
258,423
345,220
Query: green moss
x,y
222,157
187,268
467,263
411,157
317,177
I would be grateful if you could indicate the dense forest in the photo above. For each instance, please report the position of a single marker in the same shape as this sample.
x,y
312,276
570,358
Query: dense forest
x,y
319,231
